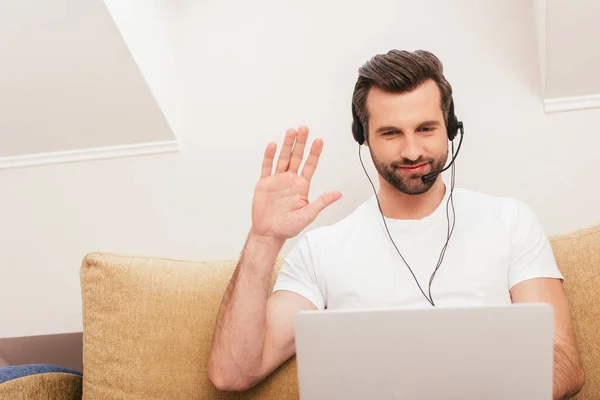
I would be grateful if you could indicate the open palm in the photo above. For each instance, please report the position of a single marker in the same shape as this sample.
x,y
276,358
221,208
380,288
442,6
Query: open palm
x,y
281,208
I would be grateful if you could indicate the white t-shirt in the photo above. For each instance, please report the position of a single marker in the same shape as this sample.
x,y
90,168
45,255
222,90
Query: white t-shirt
x,y
497,242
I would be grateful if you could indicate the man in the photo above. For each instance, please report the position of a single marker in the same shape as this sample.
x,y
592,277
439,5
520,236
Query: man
x,y
398,248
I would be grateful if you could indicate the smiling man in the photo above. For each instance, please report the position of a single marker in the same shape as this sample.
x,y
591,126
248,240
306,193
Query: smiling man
x,y
417,242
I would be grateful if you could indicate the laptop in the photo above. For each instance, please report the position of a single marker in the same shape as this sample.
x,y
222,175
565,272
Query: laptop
x,y
491,352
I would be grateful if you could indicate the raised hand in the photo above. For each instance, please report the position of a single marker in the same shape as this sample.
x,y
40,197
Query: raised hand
x,y
280,208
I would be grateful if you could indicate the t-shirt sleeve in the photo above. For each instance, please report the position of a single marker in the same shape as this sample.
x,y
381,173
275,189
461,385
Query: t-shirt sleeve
x,y
298,274
532,255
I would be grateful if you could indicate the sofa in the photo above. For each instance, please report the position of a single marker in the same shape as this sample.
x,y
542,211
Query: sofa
x,y
148,325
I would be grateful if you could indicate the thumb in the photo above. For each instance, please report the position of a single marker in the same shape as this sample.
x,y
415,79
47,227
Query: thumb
x,y
325,200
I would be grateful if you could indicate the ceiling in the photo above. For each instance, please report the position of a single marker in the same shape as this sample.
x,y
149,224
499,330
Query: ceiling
x,y
71,87
69,83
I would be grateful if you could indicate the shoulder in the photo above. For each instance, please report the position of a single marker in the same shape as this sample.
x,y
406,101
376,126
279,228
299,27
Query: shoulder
x,y
510,211
481,201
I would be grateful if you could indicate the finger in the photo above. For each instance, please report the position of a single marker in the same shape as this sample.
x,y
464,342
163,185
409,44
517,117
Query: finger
x,y
313,159
298,151
324,201
267,165
286,151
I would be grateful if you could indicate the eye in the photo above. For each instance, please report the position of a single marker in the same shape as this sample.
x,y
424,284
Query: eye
x,y
426,129
389,133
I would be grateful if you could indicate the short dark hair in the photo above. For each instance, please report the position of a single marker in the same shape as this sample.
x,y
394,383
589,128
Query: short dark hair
x,y
399,71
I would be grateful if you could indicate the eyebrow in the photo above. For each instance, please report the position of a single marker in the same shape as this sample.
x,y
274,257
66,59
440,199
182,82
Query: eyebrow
x,y
431,122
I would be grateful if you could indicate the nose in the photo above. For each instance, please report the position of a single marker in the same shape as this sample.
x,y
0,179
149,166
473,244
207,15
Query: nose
x,y
411,150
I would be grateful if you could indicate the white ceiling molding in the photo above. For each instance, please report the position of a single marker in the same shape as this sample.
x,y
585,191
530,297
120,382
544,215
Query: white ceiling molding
x,y
569,55
572,103
90,154
70,89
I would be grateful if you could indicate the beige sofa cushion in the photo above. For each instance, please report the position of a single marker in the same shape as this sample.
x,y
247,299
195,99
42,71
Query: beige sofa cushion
x,y
51,386
148,324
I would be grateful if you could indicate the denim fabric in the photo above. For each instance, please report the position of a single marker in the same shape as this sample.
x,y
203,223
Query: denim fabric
x,y
19,371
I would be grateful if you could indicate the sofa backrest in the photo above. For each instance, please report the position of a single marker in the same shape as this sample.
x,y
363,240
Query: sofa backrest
x,y
578,257
148,324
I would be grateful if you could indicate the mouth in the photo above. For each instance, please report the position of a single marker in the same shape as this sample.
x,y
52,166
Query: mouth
x,y
413,168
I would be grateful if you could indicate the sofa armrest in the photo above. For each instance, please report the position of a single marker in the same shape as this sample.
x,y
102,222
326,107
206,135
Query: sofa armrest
x,y
40,381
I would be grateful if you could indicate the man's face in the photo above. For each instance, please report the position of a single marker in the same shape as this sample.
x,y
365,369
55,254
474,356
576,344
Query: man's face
x,y
407,136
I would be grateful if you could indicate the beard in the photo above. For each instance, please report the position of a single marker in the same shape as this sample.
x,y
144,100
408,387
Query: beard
x,y
408,183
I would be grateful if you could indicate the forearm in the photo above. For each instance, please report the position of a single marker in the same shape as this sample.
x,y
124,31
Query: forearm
x,y
568,372
241,323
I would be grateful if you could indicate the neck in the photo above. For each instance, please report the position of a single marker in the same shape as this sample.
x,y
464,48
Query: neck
x,y
398,205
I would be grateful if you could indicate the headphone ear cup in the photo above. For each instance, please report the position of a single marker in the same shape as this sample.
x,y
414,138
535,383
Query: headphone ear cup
x,y
452,125
357,128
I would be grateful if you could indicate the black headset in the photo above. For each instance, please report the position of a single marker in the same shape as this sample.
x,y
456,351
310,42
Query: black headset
x,y
452,125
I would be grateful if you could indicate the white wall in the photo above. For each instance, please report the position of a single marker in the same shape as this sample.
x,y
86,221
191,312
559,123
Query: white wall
x,y
247,73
